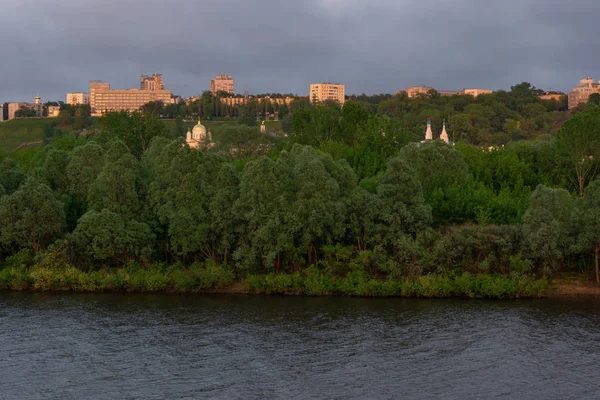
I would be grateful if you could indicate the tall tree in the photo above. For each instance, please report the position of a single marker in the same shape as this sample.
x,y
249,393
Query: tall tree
x,y
546,227
578,147
588,223
31,217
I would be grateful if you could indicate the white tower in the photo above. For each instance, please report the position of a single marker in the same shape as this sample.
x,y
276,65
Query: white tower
x,y
444,134
428,133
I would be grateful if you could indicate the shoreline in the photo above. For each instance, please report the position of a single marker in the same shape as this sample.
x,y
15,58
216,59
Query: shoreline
x,y
559,289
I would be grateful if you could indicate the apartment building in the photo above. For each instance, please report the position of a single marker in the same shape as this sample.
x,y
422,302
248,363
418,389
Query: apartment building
x,y
78,98
222,83
154,82
475,92
235,101
556,96
414,91
581,93
320,92
103,98
14,107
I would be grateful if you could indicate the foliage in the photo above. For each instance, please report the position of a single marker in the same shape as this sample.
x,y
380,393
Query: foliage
x,y
349,204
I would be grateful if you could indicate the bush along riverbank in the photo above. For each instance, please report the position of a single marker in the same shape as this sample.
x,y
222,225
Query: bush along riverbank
x,y
215,278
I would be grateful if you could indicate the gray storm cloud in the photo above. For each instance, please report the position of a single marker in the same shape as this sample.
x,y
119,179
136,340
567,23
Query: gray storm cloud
x,y
376,46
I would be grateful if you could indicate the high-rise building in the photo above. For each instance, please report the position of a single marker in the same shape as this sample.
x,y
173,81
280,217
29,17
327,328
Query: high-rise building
x,y
320,92
103,98
154,82
221,83
581,93
78,98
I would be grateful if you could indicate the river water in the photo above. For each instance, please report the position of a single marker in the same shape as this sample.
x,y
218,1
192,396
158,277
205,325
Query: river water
x,y
130,346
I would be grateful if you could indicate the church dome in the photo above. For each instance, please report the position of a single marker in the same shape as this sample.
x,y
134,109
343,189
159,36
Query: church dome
x,y
199,131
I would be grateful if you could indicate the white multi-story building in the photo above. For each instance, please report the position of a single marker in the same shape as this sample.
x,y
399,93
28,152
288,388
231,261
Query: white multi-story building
x,y
581,93
321,92
222,83
78,98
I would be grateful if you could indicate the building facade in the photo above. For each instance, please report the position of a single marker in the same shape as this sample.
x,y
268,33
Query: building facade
x,y
53,111
78,98
104,99
556,96
581,93
475,92
222,83
321,92
415,91
13,108
154,82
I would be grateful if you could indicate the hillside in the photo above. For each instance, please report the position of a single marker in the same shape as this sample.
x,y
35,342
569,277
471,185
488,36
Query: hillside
x,y
20,131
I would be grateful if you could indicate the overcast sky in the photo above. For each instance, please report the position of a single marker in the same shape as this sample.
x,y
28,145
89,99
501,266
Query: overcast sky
x,y
372,46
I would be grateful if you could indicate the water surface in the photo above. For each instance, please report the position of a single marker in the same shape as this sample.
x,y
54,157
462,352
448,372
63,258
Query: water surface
x,y
130,346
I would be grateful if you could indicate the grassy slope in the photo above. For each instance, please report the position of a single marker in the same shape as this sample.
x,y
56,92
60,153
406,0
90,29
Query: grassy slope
x,y
210,125
16,132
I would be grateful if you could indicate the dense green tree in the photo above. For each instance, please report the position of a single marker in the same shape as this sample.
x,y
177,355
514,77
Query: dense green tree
x,y
11,176
135,129
84,166
588,224
578,147
116,186
31,217
264,208
109,237
546,227
403,209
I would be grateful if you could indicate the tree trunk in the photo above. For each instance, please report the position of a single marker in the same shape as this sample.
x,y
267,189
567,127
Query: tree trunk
x,y
597,250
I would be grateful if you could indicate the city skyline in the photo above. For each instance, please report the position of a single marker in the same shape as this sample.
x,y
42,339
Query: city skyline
x,y
371,47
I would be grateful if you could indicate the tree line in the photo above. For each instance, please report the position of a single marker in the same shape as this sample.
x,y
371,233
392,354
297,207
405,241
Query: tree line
x,y
135,194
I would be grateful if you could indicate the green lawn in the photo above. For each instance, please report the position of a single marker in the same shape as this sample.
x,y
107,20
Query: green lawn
x,y
18,131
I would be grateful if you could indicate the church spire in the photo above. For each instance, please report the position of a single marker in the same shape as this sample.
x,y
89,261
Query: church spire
x,y
444,134
428,132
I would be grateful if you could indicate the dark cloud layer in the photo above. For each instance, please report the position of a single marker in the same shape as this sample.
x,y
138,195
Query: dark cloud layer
x,y
373,46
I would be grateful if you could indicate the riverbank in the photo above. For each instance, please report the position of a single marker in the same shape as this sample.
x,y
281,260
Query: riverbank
x,y
573,288
218,279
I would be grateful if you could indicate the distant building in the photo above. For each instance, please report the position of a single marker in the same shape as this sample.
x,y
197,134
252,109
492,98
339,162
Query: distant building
x,y
154,82
14,107
199,137
581,93
235,101
414,91
475,92
321,92
222,83
53,111
103,98
78,98
556,96
37,106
